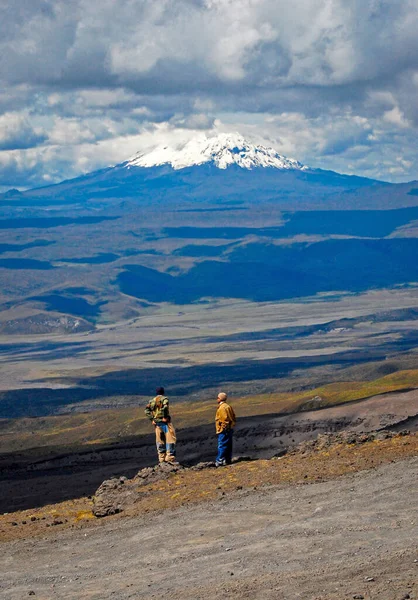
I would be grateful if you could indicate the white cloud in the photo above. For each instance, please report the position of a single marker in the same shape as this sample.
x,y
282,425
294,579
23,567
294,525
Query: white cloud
x,y
17,132
396,117
327,81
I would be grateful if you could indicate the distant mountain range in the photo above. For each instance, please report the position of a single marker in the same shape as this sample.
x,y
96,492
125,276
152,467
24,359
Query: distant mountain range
x,y
167,225
218,169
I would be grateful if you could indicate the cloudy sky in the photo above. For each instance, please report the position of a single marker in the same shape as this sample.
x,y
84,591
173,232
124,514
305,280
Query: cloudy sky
x,y
87,83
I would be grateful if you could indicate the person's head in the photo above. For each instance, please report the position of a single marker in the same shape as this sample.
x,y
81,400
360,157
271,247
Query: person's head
x,y
160,391
222,397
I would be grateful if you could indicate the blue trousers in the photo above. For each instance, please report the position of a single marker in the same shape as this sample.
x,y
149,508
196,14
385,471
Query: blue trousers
x,y
224,447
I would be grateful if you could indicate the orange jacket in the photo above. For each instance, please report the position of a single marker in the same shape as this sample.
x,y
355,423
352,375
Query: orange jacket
x,y
225,417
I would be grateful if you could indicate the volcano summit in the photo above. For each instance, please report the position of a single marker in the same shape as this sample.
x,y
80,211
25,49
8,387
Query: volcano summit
x,y
223,151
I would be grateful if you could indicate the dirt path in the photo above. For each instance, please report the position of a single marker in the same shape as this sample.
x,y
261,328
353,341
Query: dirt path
x,y
314,541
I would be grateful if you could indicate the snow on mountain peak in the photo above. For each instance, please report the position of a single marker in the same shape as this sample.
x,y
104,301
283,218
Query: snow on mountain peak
x,y
224,150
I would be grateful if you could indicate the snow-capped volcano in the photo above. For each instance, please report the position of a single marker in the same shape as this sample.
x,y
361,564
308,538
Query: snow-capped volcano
x,y
224,150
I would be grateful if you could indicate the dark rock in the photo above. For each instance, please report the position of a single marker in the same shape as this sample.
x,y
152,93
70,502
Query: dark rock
x,y
383,435
57,522
238,459
161,471
358,597
14,523
325,440
366,437
352,440
31,593
115,495
145,473
203,465
107,500
280,453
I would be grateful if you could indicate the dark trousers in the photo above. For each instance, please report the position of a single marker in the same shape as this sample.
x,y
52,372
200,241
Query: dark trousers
x,y
224,447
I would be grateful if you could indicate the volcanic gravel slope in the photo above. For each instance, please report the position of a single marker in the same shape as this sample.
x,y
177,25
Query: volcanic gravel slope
x,y
351,537
74,474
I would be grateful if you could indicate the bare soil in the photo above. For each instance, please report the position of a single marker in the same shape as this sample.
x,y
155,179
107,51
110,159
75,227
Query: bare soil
x,y
353,535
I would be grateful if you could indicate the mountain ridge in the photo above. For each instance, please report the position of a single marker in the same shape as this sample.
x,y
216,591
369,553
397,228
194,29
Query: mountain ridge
x,y
211,171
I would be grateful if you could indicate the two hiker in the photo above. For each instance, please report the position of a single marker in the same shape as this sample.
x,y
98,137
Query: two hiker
x,y
157,410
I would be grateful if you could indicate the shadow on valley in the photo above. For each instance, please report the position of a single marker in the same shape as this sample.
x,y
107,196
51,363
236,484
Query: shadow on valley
x,y
19,247
43,350
299,331
25,263
201,250
266,272
71,304
98,259
359,223
181,381
215,209
47,222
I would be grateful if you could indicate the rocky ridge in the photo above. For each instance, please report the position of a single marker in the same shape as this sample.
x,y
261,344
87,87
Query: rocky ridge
x,y
42,323
119,494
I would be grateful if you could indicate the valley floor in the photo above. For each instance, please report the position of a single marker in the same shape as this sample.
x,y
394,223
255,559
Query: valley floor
x,y
354,536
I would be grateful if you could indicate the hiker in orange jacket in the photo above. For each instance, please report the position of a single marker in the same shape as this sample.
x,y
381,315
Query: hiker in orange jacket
x,y
225,422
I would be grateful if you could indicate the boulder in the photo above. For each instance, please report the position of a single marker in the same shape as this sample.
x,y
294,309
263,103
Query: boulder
x,y
109,498
116,494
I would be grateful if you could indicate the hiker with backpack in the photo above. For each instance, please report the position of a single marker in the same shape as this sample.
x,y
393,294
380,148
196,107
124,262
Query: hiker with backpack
x,y
225,422
157,411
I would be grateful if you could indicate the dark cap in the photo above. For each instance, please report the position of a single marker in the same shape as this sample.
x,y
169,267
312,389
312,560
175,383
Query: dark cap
x,y
160,391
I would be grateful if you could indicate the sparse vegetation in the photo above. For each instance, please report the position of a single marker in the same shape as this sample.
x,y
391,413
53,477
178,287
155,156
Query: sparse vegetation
x,y
193,487
112,426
